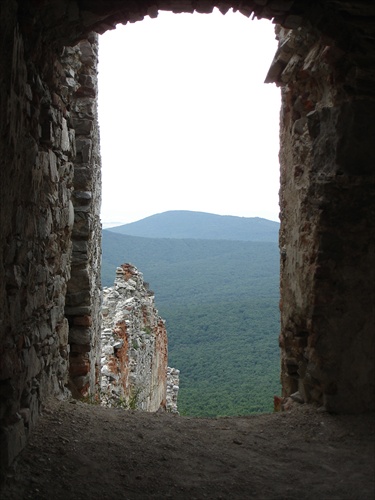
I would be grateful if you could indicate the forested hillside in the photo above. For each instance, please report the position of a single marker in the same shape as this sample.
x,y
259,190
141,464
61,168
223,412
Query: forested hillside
x,y
199,269
228,356
220,301
202,225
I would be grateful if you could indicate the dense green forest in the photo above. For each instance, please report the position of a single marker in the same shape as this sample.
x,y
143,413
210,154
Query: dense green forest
x,y
220,301
195,269
228,356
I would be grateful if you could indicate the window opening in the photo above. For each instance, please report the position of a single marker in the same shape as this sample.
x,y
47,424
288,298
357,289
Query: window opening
x,y
187,124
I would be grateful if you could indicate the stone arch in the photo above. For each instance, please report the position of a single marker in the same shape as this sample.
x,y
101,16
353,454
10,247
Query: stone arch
x,y
49,163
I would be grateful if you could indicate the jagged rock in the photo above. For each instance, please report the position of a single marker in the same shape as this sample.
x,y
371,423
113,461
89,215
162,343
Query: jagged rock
x,y
134,357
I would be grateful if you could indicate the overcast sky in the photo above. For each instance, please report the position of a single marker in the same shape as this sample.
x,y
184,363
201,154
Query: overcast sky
x,y
186,121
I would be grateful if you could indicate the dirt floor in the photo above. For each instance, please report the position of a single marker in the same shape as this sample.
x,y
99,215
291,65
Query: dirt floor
x,y
80,451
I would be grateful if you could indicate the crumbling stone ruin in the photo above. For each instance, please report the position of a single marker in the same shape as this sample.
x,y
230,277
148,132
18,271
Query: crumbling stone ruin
x,y
50,198
134,354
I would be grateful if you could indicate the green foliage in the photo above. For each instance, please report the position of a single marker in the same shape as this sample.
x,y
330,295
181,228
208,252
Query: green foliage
x,y
228,355
119,403
198,269
100,398
92,399
133,398
220,302
135,344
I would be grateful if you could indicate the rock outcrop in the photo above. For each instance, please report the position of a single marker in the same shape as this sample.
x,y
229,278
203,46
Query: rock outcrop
x,y
134,362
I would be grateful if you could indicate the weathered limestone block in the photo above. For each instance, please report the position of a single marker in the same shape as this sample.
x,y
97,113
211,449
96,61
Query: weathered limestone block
x,y
173,386
79,335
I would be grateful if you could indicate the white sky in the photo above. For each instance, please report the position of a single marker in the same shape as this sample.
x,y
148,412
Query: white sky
x,y
186,121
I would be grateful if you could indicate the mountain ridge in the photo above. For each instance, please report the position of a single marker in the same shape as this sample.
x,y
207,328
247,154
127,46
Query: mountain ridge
x,y
185,224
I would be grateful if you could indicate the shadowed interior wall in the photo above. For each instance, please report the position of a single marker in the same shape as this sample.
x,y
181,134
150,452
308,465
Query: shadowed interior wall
x,y
326,236
50,198
37,152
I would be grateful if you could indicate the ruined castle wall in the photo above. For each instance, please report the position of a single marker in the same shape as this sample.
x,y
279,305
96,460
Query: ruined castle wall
x,y
135,347
326,237
36,221
49,219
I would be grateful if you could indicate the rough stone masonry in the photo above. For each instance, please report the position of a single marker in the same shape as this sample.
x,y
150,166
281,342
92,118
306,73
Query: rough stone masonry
x,y
134,356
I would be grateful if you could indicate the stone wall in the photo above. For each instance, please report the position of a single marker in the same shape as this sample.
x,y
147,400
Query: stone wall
x,y
36,220
326,236
83,293
135,372
49,219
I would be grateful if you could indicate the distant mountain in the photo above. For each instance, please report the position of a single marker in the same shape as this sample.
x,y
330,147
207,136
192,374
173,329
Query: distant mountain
x,y
201,225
